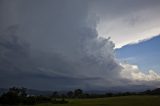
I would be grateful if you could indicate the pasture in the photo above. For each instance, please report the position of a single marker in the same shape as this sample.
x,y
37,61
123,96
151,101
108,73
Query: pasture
x,y
112,101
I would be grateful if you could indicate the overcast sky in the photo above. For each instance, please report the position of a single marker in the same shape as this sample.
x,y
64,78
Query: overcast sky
x,y
53,44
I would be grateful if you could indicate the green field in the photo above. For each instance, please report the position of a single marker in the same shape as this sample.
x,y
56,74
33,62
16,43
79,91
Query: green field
x,y
113,101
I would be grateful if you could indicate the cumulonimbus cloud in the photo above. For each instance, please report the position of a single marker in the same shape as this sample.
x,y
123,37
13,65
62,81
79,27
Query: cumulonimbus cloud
x,y
127,21
63,49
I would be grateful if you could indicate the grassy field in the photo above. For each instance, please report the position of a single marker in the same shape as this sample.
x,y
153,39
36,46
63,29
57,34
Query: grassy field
x,y
113,101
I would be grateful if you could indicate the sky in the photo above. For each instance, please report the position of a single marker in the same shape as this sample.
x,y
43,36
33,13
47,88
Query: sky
x,y
144,54
87,44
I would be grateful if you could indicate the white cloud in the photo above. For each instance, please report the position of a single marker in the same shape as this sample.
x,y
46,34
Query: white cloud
x,y
132,72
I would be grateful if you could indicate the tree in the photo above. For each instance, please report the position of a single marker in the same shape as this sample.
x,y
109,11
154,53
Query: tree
x,y
78,93
70,94
18,91
55,94
13,96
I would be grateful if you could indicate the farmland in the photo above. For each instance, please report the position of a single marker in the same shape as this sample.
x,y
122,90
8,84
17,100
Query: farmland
x,y
112,101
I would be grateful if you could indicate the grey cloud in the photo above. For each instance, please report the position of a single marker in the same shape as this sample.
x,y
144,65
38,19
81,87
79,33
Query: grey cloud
x,y
137,20
55,47
122,7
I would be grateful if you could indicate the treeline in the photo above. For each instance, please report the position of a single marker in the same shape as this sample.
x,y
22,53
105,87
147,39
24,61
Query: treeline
x,y
152,92
16,96
78,93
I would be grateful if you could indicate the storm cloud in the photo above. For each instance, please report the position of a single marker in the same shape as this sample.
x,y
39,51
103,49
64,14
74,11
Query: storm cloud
x,y
52,44
127,21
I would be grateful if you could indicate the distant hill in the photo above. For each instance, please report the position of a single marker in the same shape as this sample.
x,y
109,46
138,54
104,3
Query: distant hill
x,y
135,88
153,92
3,90
38,92
29,91
156,91
117,89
